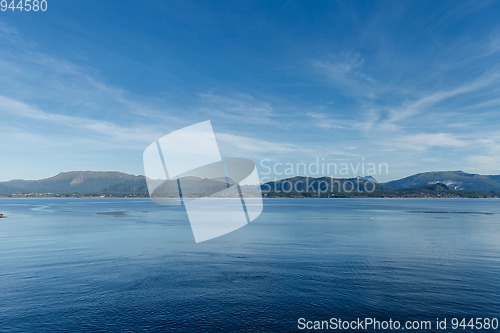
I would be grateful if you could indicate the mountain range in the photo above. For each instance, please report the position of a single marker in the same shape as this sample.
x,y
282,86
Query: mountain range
x,y
117,183
457,180
70,182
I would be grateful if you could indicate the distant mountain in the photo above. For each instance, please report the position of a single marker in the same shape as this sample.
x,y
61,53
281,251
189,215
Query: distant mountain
x,y
6,189
324,186
91,182
17,182
429,184
13,186
457,180
494,178
426,189
191,187
370,178
137,186
440,190
71,182
437,190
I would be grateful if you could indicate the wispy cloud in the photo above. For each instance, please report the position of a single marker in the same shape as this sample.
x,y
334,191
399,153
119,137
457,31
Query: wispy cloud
x,y
323,120
240,145
423,120
344,71
423,141
9,33
65,87
237,107
424,103
483,164
7,29
358,88
106,131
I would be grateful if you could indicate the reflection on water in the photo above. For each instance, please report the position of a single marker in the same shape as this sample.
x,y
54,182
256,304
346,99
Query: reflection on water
x,y
130,265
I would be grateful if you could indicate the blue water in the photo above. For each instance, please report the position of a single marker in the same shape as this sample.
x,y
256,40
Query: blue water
x,y
128,265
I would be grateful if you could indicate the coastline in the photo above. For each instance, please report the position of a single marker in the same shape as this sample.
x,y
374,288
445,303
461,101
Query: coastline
x,y
459,195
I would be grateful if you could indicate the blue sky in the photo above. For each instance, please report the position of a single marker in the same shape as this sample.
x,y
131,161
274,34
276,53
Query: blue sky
x,y
88,85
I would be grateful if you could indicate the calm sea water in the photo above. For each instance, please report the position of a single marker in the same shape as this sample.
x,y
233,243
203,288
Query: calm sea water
x,y
128,265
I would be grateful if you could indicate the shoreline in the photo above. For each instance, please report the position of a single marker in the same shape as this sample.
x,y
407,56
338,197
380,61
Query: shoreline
x,y
264,197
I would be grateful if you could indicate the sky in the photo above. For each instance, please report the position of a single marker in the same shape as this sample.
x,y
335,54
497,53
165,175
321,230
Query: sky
x,y
88,85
